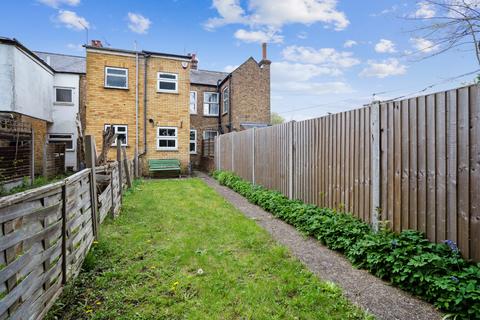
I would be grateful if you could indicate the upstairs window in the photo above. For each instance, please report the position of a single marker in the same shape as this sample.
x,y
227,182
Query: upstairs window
x,y
209,134
64,96
193,141
122,134
167,138
210,104
66,138
116,78
193,102
226,100
167,82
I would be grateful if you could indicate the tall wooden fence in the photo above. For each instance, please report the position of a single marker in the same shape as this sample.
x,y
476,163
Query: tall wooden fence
x,y
414,163
46,233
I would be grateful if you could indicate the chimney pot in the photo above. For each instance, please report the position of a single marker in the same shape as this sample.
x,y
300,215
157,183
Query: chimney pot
x,y
97,44
194,62
264,51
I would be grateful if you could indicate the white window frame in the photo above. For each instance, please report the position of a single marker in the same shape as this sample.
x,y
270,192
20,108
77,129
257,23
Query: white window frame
x,y
167,80
205,131
227,100
194,141
205,110
64,103
51,137
116,75
115,126
194,111
167,138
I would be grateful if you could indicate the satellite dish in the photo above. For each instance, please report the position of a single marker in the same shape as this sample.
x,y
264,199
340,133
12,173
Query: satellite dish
x,y
184,64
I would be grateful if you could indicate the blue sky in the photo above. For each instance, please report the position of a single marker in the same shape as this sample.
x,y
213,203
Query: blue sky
x,y
327,55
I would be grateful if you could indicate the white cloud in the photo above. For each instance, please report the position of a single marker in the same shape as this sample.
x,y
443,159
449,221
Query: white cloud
x,y
138,23
274,14
385,46
326,57
299,72
423,45
313,88
58,3
258,36
425,10
72,21
350,43
384,68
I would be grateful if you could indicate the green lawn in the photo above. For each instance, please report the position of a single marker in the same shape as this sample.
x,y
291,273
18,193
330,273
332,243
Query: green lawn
x,y
180,251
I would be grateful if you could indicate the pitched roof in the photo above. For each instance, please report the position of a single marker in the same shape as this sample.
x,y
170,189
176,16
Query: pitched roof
x,y
18,44
63,62
207,77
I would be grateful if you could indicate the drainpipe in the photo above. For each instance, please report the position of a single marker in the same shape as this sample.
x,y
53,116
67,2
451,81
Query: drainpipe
x,y
230,103
219,112
145,105
136,111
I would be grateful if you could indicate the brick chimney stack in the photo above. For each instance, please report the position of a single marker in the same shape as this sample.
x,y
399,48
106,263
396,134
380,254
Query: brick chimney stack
x,y
264,60
97,44
194,62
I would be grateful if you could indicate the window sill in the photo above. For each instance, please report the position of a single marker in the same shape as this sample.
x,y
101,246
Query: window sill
x,y
210,115
167,150
163,91
224,113
65,104
117,88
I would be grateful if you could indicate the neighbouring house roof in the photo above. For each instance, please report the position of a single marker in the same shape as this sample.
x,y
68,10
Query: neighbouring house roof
x,y
207,77
250,125
19,45
63,62
142,53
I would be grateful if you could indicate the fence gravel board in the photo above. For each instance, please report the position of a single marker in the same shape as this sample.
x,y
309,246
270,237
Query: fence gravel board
x,y
429,163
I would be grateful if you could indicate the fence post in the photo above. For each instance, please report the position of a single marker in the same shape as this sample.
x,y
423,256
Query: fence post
x,y
119,161
127,169
219,143
253,156
112,193
291,149
91,159
375,156
64,232
32,157
232,138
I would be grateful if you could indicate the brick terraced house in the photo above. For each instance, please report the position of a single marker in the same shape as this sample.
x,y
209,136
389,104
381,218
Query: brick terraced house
x,y
223,102
180,107
144,96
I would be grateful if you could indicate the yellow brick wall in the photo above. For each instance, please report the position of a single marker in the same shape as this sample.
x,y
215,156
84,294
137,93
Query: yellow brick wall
x,y
117,106
168,110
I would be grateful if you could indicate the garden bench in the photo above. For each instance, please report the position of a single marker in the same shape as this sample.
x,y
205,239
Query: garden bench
x,y
157,165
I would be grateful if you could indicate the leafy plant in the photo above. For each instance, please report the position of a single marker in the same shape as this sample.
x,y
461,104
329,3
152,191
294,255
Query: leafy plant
x,y
435,272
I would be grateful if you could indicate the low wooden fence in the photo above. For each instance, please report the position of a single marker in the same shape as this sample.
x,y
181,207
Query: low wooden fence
x,y
46,233
414,163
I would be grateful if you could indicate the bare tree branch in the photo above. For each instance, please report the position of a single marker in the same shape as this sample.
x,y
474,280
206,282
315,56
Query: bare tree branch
x,y
456,23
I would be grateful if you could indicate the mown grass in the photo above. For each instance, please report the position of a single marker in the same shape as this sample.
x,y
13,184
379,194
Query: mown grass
x,y
180,251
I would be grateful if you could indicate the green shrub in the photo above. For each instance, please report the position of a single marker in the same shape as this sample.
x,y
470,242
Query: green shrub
x,y
435,272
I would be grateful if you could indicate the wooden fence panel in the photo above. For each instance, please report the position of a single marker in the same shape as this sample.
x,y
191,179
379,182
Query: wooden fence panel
x,y
79,231
31,247
242,157
429,163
